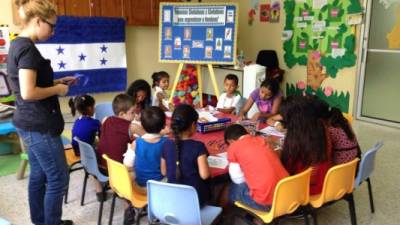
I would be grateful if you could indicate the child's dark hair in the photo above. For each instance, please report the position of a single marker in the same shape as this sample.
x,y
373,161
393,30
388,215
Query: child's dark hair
x,y
271,84
338,120
140,85
122,103
233,78
157,76
183,118
234,132
153,119
81,103
321,108
305,141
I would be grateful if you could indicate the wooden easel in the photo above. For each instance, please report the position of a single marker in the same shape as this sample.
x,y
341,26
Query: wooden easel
x,y
199,80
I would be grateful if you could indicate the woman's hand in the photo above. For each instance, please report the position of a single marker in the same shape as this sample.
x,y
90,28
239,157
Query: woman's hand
x,y
62,89
68,80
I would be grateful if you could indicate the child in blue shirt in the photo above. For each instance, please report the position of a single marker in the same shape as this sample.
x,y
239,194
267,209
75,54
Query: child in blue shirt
x,y
85,127
144,154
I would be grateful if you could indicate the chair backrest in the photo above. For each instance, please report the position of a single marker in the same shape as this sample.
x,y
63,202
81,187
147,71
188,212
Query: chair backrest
x,y
268,58
89,160
103,110
290,193
339,181
165,202
120,179
367,163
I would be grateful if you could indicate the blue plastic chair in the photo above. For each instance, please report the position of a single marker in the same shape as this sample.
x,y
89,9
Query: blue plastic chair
x,y
167,204
89,163
103,110
365,170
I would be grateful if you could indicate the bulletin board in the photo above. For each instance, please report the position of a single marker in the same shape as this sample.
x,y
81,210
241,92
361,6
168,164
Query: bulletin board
x,y
200,33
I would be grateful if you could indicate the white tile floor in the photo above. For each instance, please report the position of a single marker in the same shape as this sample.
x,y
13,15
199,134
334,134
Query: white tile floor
x,y
385,182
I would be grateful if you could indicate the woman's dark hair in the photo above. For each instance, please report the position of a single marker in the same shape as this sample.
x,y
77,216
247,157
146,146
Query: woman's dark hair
x,y
305,141
157,76
182,119
271,84
81,103
140,85
321,108
232,77
152,119
234,132
338,120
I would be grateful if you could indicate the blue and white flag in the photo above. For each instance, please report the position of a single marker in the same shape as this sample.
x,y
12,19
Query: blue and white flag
x,y
91,48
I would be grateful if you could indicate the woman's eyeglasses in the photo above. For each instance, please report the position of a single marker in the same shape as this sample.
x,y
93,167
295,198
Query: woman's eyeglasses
x,y
52,25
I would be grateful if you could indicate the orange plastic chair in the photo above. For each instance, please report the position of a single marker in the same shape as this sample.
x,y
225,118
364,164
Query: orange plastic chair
x,y
73,161
290,193
338,184
122,185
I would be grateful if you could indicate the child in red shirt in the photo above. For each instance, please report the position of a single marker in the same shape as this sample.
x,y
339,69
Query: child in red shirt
x,y
261,167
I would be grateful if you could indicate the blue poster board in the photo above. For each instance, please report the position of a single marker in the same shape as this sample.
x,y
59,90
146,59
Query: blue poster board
x,y
198,33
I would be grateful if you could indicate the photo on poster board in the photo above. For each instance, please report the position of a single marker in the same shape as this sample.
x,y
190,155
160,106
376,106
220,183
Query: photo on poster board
x,y
198,33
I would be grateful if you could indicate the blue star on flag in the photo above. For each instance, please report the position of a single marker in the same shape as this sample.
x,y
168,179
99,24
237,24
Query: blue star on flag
x,y
82,57
103,61
61,64
60,50
103,48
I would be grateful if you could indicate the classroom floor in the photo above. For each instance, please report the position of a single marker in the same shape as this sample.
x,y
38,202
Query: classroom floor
x,y
14,205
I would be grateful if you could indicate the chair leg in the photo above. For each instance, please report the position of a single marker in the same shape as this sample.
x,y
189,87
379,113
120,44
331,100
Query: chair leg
x,y
66,191
101,205
112,209
84,187
371,198
313,215
352,209
305,215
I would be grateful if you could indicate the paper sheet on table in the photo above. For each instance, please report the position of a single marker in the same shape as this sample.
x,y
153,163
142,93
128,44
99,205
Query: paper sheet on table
x,y
217,162
208,116
270,130
168,114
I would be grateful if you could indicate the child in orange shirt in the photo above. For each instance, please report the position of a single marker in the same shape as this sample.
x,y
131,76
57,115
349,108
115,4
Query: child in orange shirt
x,y
261,166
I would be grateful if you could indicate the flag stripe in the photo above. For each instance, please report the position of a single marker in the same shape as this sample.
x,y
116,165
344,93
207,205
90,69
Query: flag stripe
x,y
71,29
84,56
101,80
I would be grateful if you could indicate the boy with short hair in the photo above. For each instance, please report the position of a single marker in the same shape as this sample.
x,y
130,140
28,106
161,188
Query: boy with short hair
x,y
229,101
260,165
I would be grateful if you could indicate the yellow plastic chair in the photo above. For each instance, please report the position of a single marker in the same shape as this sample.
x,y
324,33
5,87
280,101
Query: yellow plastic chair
x,y
338,184
123,187
290,193
348,117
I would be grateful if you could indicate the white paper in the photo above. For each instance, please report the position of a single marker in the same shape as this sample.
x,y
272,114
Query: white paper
x,y
270,130
287,35
208,116
318,26
301,25
217,162
318,4
168,114
337,52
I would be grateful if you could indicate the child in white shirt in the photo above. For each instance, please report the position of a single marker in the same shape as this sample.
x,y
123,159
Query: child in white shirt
x,y
160,85
229,100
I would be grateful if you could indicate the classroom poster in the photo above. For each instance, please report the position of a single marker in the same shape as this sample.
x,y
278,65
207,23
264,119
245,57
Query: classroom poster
x,y
4,46
198,33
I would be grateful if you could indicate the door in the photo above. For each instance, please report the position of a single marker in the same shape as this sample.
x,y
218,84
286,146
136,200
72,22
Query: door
x,y
379,91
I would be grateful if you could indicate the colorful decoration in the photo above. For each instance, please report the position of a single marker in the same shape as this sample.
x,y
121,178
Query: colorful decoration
x,y
265,12
187,87
275,11
394,36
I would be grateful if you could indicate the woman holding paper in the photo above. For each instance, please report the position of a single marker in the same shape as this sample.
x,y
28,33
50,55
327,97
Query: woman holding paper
x,y
38,116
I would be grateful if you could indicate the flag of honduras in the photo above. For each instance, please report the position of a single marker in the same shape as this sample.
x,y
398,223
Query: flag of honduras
x,y
90,48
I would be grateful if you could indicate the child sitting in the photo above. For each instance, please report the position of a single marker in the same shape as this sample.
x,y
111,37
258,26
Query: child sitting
x,y
145,153
267,98
115,131
229,100
184,160
85,127
261,168
160,85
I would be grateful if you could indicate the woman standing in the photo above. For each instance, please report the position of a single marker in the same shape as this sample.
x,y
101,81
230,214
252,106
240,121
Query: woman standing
x,y
38,117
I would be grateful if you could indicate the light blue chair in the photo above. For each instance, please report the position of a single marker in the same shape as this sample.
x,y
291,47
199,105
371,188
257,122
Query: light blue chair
x,y
365,170
103,110
89,163
4,222
177,204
